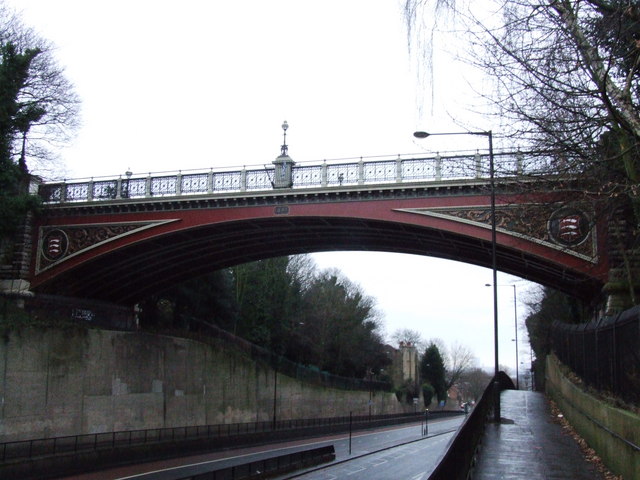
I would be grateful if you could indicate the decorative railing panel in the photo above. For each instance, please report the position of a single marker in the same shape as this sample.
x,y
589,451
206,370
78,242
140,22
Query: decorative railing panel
x,y
258,179
343,174
164,186
226,181
308,176
134,188
194,184
418,168
75,192
324,175
380,172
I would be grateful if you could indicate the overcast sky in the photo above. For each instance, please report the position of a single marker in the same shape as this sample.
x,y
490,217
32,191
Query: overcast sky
x,y
169,85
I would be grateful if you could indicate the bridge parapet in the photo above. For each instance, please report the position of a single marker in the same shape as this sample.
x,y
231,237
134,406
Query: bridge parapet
x,y
338,173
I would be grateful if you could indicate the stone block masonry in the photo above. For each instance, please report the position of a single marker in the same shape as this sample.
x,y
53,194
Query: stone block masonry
x,y
613,433
57,382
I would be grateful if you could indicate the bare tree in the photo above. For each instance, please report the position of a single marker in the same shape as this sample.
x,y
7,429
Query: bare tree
x,y
474,382
565,83
409,336
459,359
303,269
559,82
46,91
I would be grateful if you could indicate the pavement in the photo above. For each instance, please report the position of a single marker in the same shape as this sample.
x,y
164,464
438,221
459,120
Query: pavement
x,y
529,444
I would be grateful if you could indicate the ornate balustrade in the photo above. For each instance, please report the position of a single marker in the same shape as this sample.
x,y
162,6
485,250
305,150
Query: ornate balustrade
x,y
374,171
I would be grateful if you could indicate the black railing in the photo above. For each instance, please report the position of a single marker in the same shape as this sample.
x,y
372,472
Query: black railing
x,y
605,354
457,460
230,433
91,313
53,308
284,366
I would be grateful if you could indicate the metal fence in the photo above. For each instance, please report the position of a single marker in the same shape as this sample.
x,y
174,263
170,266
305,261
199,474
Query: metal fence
x,y
306,373
95,314
605,354
52,308
228,434
363,171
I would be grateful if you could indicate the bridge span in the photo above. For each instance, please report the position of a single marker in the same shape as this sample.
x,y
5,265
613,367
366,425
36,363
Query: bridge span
x,y
120,239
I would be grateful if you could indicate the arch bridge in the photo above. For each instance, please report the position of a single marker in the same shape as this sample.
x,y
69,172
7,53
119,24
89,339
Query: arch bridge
x,y
121,239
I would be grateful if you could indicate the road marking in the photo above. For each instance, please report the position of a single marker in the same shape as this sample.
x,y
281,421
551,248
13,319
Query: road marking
x,y
356,471
337,437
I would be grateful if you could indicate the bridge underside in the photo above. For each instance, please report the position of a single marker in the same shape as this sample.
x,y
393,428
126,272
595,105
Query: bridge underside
x,y
144,266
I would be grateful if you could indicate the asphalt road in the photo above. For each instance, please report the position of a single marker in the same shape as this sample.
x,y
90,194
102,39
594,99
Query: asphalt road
x,y
402,452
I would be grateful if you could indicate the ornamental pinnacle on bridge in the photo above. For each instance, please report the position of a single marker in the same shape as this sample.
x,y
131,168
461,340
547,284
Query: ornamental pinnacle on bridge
x,y
283,174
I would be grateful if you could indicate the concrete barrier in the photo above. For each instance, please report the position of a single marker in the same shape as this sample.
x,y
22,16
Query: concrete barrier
x,y
264,468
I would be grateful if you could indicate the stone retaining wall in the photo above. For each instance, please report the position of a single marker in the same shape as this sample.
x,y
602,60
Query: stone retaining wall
x,y
70,382
602,426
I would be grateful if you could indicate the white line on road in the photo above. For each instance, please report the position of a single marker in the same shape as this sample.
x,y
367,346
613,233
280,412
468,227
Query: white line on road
x,y
356,471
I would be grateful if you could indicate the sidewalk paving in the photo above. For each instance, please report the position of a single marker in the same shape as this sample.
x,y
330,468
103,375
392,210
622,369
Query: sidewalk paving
x,y
527,444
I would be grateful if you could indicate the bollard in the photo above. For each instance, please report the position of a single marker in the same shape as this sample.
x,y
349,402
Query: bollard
x,y
426,422
350,423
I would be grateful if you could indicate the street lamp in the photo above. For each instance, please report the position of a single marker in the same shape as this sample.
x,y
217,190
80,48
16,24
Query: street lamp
x,y
489,135
515,320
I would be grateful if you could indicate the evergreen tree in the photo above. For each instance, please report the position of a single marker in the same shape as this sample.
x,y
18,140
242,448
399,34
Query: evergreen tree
x,y
206,299
266,296
427,393
432,370
15,118
37,107
284,305
550,305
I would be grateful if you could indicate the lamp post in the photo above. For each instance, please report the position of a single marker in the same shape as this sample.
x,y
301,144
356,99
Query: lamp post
x,y
515,321
489,135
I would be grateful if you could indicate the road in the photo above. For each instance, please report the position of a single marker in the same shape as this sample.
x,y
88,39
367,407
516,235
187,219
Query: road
x,y
402,452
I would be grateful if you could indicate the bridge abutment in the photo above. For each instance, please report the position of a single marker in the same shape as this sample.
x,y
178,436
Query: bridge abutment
x,y
15,259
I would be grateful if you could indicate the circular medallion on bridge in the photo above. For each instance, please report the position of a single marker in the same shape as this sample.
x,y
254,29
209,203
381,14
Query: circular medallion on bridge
x,y
569,226
54,245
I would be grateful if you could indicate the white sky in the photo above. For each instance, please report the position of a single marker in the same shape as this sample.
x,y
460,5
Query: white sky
x,y
169,85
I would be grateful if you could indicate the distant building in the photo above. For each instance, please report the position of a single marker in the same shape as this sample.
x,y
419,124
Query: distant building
x,y
405,364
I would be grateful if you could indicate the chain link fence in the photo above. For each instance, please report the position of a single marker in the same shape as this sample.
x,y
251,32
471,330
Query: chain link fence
x,y
605,354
